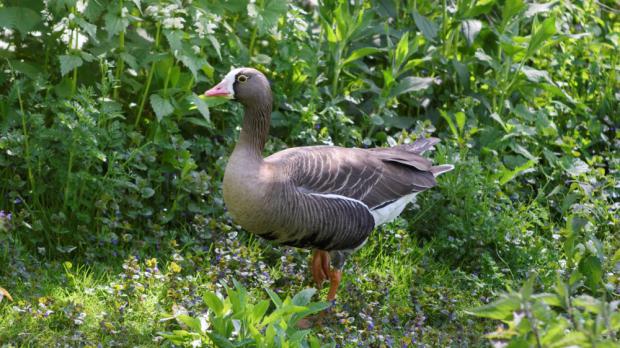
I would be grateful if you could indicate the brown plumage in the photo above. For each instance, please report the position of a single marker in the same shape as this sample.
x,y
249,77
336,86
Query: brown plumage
x,y
323,197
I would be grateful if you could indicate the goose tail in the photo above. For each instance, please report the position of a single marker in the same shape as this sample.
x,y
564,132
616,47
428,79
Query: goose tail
x,y
444,168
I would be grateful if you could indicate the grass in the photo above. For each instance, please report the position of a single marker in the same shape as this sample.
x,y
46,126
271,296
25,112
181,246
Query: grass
x,y
407,296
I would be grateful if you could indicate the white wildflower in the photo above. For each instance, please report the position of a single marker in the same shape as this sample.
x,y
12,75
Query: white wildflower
x,y
80,6
590,245
174,23
152,11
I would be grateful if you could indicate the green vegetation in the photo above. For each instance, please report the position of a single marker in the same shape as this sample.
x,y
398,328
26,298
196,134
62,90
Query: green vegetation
x,y
112,226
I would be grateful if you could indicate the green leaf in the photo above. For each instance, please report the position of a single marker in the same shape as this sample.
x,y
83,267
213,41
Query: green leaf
x,y
501,309
470,29
592,269
161,106
89,28
114,24
303,297
412,84
541,34
402,49
510,10
331,35
450,123
259,310
499,120
202,107
268,14
550,299
535,75
481,7
274,298
21,18
588,303
31,70
214,303
297,337
428,28
130,60
216,45
507,175
147,192
460,120
359,53
68,63
220,341
192,323
193,63
175,39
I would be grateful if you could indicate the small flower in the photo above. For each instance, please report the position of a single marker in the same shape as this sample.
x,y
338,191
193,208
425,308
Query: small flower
x,y
174,23
174,267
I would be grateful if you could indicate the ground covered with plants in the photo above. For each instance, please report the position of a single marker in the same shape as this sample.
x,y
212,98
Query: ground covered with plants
x,y
112,226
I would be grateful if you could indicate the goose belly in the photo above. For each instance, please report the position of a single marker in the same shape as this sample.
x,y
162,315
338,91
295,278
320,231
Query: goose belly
x,y
391,211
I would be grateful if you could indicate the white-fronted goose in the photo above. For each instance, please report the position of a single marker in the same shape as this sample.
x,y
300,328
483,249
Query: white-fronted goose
x,y
324,197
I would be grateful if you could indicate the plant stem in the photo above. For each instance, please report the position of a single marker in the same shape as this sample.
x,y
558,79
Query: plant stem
x,y
69,169
25,132
121,63
259,3
337,69
252,42
74,39
149,79
168,78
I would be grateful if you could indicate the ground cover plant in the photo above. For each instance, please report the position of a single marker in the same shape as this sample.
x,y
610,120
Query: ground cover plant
x,y
112,227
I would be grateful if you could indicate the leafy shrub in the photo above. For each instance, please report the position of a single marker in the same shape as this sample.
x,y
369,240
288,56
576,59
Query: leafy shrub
x,y
568,315
235,321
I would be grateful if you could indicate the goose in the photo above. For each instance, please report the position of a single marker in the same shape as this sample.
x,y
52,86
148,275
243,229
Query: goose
x,y
327,198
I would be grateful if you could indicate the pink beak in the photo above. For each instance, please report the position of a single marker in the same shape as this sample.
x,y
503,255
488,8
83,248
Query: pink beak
x,y
218,91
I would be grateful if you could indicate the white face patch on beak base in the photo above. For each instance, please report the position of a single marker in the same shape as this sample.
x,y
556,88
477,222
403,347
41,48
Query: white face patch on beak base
x,y
225,87
229,80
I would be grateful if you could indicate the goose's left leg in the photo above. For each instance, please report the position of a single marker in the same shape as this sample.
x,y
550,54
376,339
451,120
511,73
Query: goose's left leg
x,y
321,270
335,274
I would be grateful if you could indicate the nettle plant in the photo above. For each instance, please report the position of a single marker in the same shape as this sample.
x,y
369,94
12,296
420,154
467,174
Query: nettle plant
x,y
96,108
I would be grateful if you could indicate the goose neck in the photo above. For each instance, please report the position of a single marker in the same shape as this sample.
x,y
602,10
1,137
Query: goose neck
x,y
255,130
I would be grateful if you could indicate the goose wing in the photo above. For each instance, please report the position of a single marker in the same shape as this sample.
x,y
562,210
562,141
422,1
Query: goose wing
x,y
376,177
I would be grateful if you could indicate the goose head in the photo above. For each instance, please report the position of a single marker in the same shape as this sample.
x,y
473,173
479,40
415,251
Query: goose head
x,y
246,85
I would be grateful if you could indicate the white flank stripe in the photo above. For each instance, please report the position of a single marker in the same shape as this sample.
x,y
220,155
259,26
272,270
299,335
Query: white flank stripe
x,y
391,211
382,215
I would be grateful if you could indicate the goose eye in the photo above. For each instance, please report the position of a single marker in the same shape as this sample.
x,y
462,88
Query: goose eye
x,y
242,78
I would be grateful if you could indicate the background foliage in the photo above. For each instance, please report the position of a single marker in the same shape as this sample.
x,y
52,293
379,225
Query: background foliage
x,y
107,151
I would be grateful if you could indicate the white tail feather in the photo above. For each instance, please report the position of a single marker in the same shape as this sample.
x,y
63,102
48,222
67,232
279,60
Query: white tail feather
x,y
438,170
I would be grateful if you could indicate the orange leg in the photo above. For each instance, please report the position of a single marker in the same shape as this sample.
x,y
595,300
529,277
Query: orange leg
x,y
320,267
321,271
334,281
6,294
